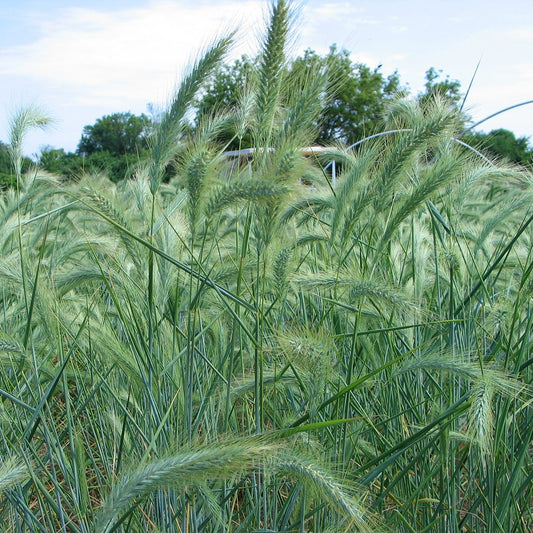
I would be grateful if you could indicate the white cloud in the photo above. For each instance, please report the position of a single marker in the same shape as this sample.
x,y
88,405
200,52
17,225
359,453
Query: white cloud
x,y
336,10
399,29
82,63
522,34
525,72
130,54
396,58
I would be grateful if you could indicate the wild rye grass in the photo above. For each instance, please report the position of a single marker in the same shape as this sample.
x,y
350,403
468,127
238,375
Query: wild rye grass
x,y
238,351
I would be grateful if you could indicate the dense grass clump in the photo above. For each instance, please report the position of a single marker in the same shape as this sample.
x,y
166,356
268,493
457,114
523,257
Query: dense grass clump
x,y
247,348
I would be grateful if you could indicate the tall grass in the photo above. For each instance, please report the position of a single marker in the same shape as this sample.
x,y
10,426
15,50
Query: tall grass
x,y
238,350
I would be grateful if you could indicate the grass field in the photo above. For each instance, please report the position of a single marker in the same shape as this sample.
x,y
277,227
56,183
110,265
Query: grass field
x,y
247,348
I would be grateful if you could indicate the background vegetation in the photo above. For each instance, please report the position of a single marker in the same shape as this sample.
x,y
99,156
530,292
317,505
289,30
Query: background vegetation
x,y
236,346
353,103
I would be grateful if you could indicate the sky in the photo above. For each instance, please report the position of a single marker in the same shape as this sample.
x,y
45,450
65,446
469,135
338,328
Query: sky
x,y
80,60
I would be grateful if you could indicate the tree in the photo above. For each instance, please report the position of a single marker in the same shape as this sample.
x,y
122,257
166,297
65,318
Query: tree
x,y
118,134
352,105
57,161
444,87
7,176
225,87
115,143
504,144
356,97
6,168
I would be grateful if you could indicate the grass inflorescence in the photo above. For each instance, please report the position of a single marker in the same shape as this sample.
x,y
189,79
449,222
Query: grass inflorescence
x,y
241,349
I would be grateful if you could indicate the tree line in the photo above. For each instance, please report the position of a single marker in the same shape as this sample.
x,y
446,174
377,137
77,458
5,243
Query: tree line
x,y
353,107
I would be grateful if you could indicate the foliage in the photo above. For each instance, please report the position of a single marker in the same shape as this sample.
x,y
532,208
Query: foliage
x,y
7,176
117,134
70,165
6,167
238,350
503,143
114,144
61,163
225,88
446,88
354,98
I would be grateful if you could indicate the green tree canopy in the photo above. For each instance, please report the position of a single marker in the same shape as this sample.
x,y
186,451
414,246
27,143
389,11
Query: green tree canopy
x,y
503,143
6,168
356,98
225,87
7,176
445,87
118,134
113,144
57,161
353,103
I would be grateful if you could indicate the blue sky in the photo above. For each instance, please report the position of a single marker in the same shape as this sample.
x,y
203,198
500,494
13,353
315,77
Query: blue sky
x,y
80,60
